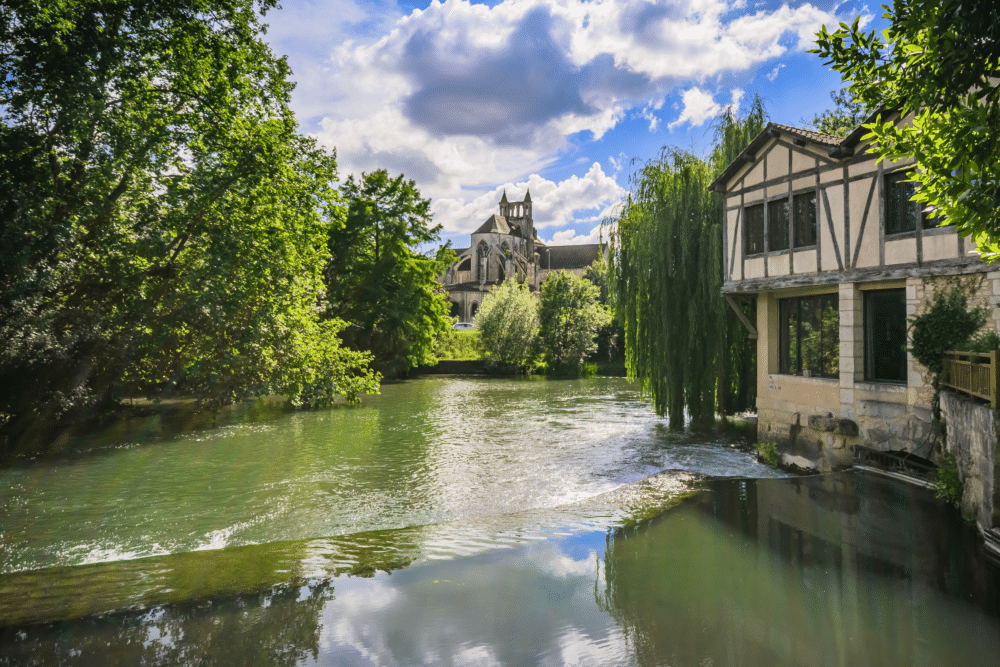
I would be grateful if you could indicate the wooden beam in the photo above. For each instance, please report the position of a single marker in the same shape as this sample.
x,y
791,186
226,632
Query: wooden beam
x,y
743,318
942,267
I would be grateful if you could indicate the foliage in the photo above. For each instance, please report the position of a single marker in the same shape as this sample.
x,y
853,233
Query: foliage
x,y
947,482
570,317
666,273
938,60
164,225
847,114
983,341
768,452
460,346
945,323
610,336
377,280
508,324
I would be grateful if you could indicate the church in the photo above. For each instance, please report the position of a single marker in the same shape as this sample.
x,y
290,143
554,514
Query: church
x,y
507,246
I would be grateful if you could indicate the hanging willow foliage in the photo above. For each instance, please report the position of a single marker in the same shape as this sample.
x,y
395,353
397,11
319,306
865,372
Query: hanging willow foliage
x,y
666,271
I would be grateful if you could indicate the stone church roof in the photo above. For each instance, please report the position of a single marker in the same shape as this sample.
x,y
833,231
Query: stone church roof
x,y
495,224
570,256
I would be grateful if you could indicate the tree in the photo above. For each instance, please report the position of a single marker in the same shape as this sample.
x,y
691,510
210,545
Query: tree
x,y
610,335
940,61
508,324
164,225
377,280
666,273
570,316
848,113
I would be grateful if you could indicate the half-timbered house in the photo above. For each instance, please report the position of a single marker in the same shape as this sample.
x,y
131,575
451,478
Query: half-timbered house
x,y
828,242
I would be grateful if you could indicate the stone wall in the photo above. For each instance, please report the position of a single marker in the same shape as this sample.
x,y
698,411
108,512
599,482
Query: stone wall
x,y
816,421
972,440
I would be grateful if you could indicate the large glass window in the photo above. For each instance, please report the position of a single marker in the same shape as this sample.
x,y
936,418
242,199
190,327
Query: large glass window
x,y
754,229
809,339
804,217
777,224
885,335
901,212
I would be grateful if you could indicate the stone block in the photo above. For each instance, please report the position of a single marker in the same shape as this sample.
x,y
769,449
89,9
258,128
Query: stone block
x,y
846,427
821,422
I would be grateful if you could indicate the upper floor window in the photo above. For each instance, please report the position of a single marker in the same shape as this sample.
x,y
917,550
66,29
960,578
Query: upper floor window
x,y
790,223
777,224
754,229
804,217
902,214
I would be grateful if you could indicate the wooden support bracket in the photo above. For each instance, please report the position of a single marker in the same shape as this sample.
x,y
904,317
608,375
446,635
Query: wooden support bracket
x,y
743,318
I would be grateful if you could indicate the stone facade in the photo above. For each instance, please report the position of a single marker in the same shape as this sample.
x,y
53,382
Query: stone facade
x,y
507,246
972,440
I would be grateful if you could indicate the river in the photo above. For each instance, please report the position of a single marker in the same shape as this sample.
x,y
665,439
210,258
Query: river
x,y
473,521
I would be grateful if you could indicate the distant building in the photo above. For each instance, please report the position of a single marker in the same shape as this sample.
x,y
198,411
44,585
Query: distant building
x,y
507,246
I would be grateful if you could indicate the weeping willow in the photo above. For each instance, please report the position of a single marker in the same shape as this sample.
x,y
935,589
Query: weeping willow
x,y
666,270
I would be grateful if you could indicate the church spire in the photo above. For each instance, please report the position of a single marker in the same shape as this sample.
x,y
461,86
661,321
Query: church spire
x,y
503,200
527,195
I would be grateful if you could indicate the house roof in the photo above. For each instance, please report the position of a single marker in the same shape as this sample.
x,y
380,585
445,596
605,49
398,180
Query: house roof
x,y
495,224
570,256
773,131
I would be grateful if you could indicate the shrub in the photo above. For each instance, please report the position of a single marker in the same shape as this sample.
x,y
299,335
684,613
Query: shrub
x,y
944,325
947,482
508,325
768,452
460,346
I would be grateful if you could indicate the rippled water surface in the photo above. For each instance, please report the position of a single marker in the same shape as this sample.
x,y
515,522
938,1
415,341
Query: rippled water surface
x,y
456,521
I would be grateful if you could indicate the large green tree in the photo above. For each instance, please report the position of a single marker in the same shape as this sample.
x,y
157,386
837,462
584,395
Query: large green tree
x,y
940,61
570,316
377,279
508,325
163,223
845,116
666,274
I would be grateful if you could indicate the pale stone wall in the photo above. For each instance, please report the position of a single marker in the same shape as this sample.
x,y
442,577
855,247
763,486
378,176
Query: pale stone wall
x,y
816,421
972,440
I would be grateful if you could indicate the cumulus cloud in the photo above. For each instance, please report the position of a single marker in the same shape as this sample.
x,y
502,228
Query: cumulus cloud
x,y
700,107
774,73
575,200
463,96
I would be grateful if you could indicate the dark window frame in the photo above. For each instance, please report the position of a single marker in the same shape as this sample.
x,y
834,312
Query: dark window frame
x,y
799,196
924,225
763,207
873,371
748,248
790,353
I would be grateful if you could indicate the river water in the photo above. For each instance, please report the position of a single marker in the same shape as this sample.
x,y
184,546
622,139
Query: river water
x,y
466,521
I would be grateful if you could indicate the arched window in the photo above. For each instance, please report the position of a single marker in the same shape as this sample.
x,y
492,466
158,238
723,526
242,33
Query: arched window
x,y
482,251
473,310
456,309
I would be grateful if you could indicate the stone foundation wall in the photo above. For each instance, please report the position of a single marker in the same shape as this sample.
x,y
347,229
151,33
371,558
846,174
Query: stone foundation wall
x,y
972,440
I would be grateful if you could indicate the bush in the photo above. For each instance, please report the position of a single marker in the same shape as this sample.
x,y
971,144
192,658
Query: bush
x,y
947,482
946,324
768,452
508,325
460,346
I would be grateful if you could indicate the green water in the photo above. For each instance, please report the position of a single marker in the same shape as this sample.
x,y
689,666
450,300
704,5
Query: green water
x,y
473,521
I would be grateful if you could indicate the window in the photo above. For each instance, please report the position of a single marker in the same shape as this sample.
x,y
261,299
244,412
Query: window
x,y
809,338
754,225
777,224
885,335
804,217
901,212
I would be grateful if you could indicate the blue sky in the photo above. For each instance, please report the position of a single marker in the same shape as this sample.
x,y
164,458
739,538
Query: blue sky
x,y
471,98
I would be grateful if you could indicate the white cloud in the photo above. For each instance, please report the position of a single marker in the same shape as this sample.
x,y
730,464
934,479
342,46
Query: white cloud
x,y
774,73
554,205
462,96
